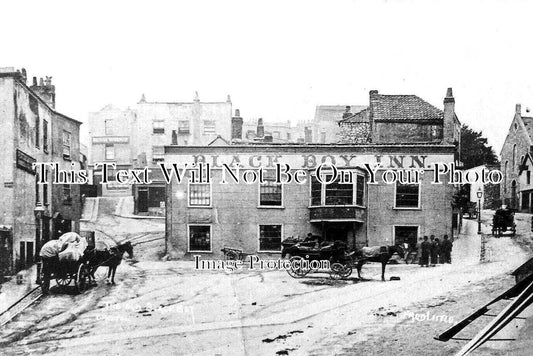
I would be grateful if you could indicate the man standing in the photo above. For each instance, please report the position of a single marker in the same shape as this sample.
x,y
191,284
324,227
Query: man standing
x,y
433,250
446,249
425,249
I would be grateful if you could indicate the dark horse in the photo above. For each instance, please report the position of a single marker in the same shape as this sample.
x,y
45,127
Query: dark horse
x,y
383,257
110,258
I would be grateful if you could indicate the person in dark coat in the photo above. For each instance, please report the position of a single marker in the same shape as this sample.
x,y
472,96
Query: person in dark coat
x,y
425,249
446,249
438,251
433,250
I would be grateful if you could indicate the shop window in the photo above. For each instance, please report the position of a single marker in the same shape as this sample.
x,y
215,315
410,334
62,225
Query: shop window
x,y
199,194
156,197
158,127
45,136
108,127
407,195
270,238
270,192
158,153
406,234
183,127
209,127
109,151
66,144
67,198
199,238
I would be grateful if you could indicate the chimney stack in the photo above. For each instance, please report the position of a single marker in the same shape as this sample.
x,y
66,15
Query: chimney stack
x,y
347,113
449,119
518,109
260,128
45,90
236,125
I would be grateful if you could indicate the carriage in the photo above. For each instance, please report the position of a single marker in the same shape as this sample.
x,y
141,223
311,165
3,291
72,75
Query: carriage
x,y
306,257
502,221
64,273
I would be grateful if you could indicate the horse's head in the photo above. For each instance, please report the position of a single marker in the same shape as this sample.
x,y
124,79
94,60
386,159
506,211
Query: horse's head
x,y
126,247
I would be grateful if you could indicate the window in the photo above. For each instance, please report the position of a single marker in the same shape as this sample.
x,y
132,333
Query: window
x,y
45,136
37,195
109,151
528,177
276,134
37,131
199,238
514,157
108,127
66,144
406,234
199,194
339,194
183,126
158,127
288,136
209,127
158,153
270,192
505,167
270,238
67,198
322,137
350,191
45,194
407,195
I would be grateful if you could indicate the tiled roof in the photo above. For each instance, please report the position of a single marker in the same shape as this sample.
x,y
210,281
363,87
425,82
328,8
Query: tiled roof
x,y
403,107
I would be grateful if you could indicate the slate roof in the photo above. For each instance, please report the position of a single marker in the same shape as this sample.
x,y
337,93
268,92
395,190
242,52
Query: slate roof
x,y
403,107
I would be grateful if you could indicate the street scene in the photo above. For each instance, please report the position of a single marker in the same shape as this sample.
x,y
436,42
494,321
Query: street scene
x,y
210,178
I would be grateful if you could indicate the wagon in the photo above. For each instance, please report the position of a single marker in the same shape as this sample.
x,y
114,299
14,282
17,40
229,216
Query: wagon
x,y
502,221
64,273
305,259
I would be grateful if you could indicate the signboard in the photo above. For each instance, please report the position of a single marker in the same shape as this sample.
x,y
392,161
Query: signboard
x,y
111,139
25,162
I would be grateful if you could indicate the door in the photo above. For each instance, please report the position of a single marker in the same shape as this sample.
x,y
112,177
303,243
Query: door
x,y
142,200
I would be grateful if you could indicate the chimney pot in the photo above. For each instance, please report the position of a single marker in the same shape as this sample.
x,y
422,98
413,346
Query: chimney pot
x,y
35,81
518,109
449,93
373,92
237,113
41,82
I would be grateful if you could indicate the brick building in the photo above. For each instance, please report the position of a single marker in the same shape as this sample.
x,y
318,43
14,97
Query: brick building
x,y
33,131
517,145
204,217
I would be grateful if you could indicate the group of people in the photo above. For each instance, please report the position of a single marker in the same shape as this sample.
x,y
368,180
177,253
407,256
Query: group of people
x,y
433,251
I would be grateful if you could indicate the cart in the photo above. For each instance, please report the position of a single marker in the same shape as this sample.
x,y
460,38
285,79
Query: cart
x,y
502,221
301,257
64,273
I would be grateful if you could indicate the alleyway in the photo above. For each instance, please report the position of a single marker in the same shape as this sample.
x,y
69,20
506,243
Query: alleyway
x,y
170,308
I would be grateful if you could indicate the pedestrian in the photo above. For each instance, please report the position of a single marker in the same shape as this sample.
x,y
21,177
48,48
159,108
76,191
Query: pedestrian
x,y
433,250
438,252
446,249
425,249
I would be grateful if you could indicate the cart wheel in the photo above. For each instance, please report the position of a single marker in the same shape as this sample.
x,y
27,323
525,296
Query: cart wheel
x,y
340,271
82,278
297,269
231,255
63,281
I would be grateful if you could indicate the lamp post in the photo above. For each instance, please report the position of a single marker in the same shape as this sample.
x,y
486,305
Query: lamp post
x,y
479,194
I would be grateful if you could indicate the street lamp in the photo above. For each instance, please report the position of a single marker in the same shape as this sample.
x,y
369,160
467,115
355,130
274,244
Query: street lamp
x,y
479,194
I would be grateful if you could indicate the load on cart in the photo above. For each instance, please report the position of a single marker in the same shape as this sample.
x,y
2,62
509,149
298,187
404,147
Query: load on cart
x,y
65,261
502,221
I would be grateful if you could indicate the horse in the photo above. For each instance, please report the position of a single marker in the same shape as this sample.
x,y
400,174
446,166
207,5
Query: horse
x,y
383,257
110,258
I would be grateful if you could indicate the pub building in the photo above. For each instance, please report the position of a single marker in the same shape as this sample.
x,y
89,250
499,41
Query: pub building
x,y
396,133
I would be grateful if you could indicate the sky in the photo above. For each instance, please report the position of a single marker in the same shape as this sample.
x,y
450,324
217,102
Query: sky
x,y
278,59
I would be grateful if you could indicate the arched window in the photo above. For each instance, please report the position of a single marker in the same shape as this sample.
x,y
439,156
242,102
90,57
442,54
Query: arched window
x,y
520,162
514,156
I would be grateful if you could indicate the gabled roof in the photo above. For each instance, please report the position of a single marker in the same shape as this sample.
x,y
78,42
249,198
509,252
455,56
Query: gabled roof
x,y
219,141
523,163
361,116
403,107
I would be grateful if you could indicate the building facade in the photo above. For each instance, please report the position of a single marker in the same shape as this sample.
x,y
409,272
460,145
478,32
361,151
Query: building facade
x,y
32,213
203,217
517,145
135,138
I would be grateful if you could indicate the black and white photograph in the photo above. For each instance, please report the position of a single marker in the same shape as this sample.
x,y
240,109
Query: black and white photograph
x,y
253,177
